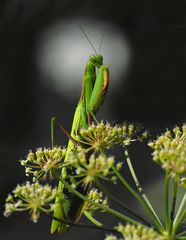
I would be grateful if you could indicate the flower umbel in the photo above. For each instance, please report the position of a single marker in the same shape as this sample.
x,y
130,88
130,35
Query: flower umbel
x,y
88,169
138,232
43,161
170,150
104,136
32,197
97,197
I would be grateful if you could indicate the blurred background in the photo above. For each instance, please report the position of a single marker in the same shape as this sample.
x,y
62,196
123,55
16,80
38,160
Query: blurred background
x,y
42,59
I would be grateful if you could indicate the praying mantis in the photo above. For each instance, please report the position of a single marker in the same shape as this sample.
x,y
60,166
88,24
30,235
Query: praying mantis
x,y
94,89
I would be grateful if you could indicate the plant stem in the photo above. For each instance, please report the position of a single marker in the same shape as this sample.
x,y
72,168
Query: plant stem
x,y
180,210
81,225
167,200
140,199
126,208
138,185
173,204
180,238
92,219
179,221
106,209
181,232
52,123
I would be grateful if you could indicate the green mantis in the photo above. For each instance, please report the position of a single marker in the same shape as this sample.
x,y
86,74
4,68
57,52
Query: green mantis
x,y
94,89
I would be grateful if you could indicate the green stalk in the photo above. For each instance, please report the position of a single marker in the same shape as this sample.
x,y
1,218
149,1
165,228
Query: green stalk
x,y
180,238
140,199
52,123
167,223
138,185
182,233
126,208
106,209
92,219
81,225
173,204
180,210
179,221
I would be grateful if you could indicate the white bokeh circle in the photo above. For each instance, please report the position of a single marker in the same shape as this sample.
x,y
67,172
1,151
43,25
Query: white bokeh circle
x,y
63,51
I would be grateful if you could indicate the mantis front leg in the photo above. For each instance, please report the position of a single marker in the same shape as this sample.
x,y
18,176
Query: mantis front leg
x,y
99,91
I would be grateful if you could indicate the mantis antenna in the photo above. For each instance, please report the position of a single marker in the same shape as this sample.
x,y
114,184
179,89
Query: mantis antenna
x,y
82,30
101,41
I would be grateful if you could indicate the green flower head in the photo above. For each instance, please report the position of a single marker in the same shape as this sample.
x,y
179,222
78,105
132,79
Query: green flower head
x,y
88,169
169,150
104,136
96,197
136,232
41,162
34,198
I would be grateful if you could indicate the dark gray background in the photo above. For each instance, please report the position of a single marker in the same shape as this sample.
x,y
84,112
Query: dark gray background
x,y
154,92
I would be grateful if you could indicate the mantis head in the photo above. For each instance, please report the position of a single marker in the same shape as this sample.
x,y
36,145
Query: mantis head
x,y
96,59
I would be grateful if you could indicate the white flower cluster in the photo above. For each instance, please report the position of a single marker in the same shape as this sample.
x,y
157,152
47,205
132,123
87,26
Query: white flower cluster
x,y
41,162
87,170
34,198
169,150
136,232
104,136
96,197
